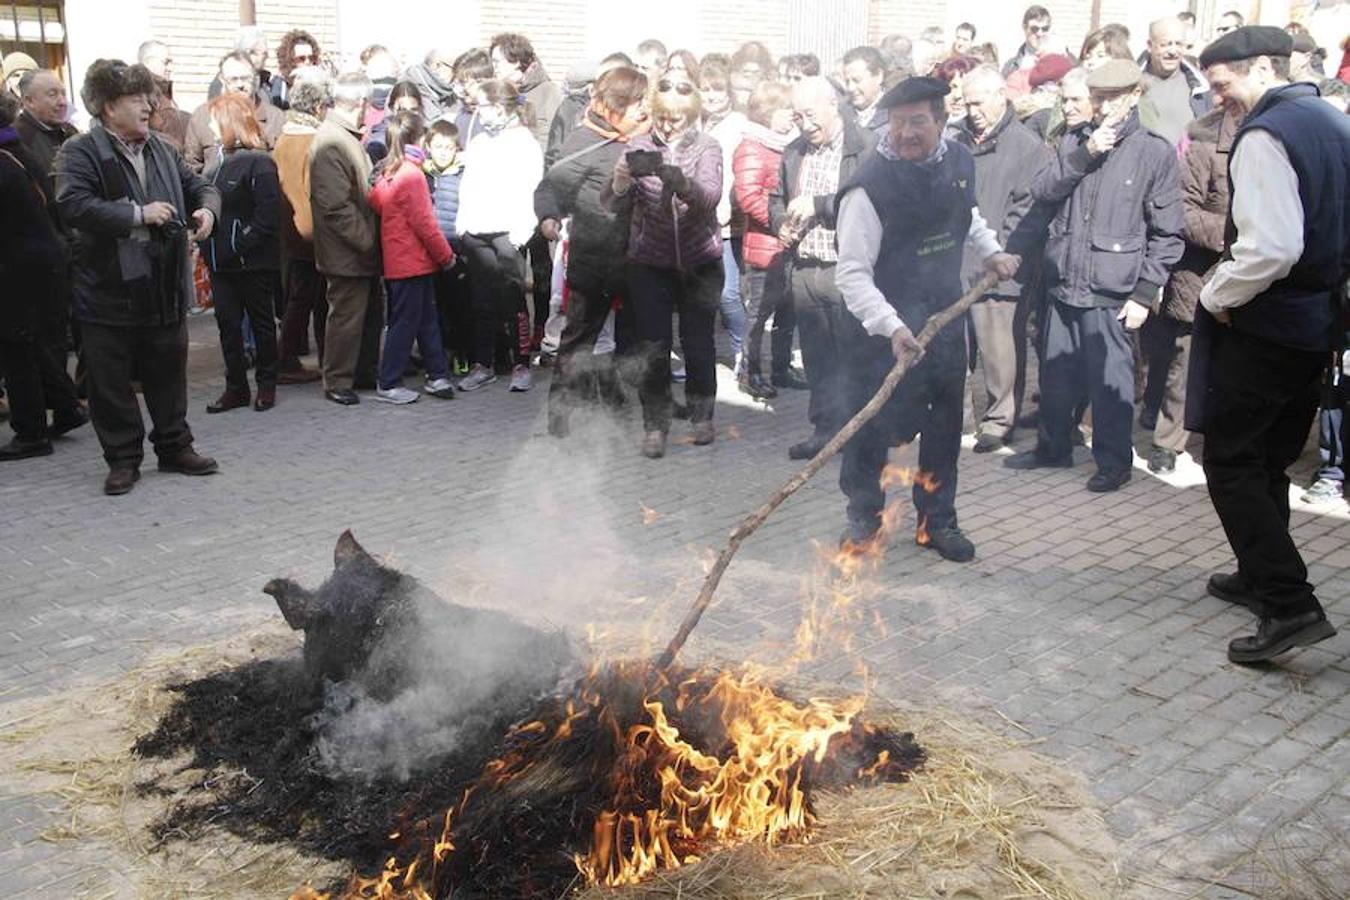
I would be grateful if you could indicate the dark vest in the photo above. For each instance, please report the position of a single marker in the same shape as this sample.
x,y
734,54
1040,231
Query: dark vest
x,y
925,213
1302,310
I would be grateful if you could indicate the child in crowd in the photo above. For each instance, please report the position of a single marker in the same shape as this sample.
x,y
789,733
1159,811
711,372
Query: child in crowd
x,y
414,252
502,166
444,169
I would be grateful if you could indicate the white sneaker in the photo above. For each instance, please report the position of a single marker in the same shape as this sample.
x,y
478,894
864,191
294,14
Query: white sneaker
x,y
1324,490
521,380
440,387
399,395
478,376
677,372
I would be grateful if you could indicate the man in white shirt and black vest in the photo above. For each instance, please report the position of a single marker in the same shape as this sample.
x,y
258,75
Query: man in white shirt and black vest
x,y
904,220
1270,318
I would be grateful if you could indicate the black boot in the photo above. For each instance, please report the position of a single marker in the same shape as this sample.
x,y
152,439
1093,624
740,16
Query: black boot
x,y
1276,636
950,543
25,448
1233,588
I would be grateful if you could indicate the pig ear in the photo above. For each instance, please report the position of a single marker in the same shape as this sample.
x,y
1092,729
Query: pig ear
x,y
347,549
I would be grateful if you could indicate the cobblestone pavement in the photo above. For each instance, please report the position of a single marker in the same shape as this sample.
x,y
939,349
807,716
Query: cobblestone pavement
x,y
1083,625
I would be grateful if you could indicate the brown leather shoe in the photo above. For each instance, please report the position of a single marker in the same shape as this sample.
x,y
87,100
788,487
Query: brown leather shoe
x,y
189,462
704,432
301,375
121,479
266,399
231,399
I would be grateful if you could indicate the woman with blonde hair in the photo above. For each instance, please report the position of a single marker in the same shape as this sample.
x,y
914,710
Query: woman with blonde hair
x,y
671,182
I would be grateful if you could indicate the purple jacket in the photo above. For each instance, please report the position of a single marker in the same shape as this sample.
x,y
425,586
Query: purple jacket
x,y
683,232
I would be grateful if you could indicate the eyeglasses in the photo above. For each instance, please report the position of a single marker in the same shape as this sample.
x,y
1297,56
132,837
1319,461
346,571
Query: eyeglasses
x,y
1038,29
683,88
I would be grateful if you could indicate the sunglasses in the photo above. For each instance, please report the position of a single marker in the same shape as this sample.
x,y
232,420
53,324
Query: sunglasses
x,y
1039,29
683,88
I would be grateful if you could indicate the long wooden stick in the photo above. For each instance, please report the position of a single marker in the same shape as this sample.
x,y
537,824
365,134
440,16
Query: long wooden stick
x,y
861,418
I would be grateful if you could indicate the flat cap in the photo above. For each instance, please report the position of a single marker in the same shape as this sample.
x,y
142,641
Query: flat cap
x,y
1247,42
1115,75
17,62
916,89
1050,68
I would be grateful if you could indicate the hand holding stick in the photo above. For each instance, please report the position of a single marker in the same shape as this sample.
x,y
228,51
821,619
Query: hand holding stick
x,y
854,425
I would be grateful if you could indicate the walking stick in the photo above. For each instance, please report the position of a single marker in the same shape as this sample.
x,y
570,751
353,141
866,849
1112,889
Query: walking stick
x,y
861,418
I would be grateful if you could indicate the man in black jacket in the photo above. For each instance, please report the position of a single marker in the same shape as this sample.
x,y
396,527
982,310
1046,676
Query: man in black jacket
x,y
132,204
1007,155
802,211
1116,236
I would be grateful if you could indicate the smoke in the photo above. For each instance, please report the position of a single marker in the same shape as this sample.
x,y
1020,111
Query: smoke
x,y
561,556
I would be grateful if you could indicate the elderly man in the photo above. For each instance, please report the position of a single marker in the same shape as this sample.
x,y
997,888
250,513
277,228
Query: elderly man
x,y
1272,314
1174,93
132,204
1007,154
42,125
1114,239
1229,21
346,243
42,129
864,80
897,269
237,74
311,96
802,212
252,42
166,118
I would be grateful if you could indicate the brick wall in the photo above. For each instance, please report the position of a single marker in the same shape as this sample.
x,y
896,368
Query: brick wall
x,y
200,32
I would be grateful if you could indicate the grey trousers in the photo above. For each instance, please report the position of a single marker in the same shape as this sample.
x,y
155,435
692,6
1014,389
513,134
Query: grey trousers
x,y
1170,433
994,321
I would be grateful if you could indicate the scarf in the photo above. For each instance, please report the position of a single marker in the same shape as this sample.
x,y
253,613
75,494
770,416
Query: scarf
x,y
303,119
771,139
597,121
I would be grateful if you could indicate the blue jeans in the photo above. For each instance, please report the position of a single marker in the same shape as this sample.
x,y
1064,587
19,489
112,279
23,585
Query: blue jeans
x,y
412,314
733,307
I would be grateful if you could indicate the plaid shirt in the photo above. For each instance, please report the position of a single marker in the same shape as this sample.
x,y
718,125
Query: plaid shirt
x,y
820,175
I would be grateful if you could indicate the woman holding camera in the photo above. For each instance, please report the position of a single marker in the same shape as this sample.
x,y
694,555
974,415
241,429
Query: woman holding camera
x,y
572,188
244,252
671,180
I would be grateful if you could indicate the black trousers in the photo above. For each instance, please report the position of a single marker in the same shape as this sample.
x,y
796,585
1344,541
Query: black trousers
x,y
656,294
157,355
497,286
822,321
1258,410
579,376
928,405
766,295
454,309
1087,355
541,276
34,313
307,295
237,293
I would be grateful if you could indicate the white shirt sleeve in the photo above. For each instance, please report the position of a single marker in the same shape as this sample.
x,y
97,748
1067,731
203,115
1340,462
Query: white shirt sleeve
x,y
981,239
1269,219
858,231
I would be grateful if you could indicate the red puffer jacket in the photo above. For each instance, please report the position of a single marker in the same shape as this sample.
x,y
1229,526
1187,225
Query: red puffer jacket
x,y
409,236
755,169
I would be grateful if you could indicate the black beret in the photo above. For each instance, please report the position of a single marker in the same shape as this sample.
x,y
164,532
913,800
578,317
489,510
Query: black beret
x,y
917,89
1247,42
1304,43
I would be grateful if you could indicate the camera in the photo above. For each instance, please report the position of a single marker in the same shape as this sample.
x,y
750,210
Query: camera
x,y
642,163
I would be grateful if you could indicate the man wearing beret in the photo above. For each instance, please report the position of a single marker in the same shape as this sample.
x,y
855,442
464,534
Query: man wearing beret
x,y
1269,323
1116,236
904,220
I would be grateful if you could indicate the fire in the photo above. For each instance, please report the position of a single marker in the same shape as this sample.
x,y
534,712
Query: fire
x,y
707,759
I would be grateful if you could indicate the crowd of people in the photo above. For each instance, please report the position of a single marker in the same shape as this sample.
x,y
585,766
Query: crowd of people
x,y
467,217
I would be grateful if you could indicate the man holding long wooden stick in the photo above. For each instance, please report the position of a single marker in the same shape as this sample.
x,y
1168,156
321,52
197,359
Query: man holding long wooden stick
x,y
903,223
